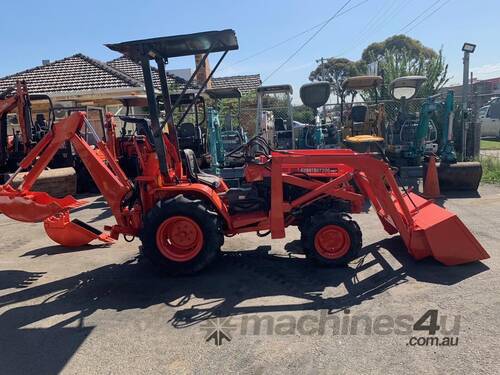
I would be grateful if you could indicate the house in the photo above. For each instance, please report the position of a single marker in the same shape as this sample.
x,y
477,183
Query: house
x,y
480,91
77,80
245,83
80,81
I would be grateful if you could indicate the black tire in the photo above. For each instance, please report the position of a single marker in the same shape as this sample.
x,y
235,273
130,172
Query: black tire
x,y
208,221
314,224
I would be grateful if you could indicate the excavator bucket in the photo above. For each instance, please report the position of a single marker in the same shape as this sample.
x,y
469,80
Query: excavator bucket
x,y
439,233
33,207
463,176
72,233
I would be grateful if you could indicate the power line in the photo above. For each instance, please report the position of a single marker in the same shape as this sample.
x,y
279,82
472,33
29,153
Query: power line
x,y
372,25
428,16
307,41
409,23
419,15
295,36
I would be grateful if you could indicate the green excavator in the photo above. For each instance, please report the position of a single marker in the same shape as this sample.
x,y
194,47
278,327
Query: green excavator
x,y
414,136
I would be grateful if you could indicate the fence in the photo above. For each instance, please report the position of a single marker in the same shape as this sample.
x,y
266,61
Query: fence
x,y
230,114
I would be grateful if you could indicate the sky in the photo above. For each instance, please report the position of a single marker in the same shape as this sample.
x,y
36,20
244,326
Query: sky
x,y
33,30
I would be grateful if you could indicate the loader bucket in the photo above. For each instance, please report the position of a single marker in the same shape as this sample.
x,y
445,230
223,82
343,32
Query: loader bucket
x,y
73,233
32,207
439,233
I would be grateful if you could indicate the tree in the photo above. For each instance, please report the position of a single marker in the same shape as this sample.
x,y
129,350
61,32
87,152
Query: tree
x,y
399,56
398,44
336,70
399,64
303,114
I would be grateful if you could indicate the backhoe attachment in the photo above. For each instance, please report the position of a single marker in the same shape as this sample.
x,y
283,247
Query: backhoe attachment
x,y
22,204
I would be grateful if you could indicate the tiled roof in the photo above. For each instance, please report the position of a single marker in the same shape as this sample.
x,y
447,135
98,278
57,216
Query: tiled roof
x,y
82,73
74,73
245,83
134,70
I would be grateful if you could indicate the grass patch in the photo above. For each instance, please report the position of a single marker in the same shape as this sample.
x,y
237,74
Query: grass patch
x,y
489,145
491,170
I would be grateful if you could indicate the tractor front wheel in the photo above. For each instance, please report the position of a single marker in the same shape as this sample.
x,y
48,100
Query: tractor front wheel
x,y
331,239
181,236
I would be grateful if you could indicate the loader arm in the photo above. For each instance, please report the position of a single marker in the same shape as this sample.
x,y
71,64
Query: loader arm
x,y
423,226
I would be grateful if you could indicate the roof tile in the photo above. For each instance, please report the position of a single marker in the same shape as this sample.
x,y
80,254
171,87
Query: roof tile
x,y
74,73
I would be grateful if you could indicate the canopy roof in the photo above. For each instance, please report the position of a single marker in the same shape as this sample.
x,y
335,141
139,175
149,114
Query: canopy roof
x,y
178,45
223,93
362,82
275,89
408,81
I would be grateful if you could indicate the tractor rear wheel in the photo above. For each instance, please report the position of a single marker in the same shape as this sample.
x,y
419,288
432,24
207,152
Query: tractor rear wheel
x,y
331,239
181,236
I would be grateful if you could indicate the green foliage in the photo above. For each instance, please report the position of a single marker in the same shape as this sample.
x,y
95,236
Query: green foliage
x,y
336,70
398,63
397,56
491,170
398,44
303,114
489,145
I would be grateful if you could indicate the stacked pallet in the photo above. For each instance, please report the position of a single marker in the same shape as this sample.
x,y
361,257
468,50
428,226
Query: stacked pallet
x,y
57,182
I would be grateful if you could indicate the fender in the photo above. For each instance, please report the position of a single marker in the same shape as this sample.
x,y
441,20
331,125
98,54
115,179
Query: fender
x,y
201,190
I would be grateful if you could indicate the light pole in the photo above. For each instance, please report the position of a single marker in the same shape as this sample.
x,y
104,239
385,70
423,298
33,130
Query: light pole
x,y
323,78
468,48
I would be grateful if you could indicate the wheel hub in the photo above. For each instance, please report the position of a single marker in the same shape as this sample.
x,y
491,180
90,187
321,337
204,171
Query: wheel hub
x,y
332,241
179,238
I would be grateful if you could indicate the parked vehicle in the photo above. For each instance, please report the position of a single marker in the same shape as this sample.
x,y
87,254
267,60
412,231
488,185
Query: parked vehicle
x,y
489,119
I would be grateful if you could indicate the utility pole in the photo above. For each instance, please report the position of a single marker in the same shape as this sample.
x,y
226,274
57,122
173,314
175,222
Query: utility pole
x,y
322,61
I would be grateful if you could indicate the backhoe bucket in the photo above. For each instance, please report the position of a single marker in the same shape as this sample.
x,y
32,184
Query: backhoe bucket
x,y
73,233
32,207
441,234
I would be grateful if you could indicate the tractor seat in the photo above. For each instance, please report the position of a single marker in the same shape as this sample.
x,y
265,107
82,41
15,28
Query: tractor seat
x,y
279,124
359,113
186,130
194,173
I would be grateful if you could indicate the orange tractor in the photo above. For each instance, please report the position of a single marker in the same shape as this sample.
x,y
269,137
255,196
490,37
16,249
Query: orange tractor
x,y
181,214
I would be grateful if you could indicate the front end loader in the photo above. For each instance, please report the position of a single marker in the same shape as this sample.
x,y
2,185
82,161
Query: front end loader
x,y
182,214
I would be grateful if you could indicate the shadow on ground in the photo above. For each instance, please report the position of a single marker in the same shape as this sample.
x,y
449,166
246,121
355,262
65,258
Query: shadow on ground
x,y
18,279
235,278
56,249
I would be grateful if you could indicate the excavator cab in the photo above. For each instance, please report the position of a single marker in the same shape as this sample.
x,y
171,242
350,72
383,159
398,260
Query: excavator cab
x,y
362,124
413,132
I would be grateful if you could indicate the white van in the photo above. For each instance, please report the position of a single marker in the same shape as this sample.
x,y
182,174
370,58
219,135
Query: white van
x,y
489,119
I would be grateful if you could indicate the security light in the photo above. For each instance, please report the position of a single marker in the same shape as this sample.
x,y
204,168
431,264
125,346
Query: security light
x,y
469,47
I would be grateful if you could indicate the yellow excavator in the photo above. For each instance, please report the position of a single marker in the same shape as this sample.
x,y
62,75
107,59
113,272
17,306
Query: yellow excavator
x,y
362,124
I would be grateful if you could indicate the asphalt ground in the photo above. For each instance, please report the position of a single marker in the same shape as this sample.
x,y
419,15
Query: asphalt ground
x,y
106,310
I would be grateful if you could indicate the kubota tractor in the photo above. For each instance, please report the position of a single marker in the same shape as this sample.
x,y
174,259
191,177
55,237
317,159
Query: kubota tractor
x,y
182,215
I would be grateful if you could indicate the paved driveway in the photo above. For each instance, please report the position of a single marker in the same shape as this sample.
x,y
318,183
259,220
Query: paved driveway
x,y
100,310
